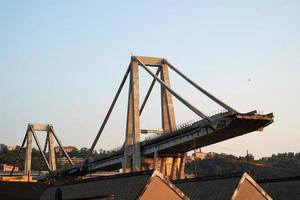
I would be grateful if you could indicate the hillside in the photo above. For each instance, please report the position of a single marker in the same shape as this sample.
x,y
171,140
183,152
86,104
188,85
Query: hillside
x,y
280,165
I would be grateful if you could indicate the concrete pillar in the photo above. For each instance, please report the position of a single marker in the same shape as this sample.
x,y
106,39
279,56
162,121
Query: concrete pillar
x,y
168,166
154,164
163,165
174,170
182,167
168,116
133,120
28,153
129,138
52,160
136,161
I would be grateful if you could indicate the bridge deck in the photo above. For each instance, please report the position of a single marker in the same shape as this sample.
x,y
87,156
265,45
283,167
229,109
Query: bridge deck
x,y
240,125
199,134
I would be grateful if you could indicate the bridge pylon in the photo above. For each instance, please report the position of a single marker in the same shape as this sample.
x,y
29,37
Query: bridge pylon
x,y
49,142
132,155
133,160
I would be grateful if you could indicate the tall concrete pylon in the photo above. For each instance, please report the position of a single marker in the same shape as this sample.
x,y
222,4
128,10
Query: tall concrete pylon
x,y
50,139
132,141
28,152
172,167
167,107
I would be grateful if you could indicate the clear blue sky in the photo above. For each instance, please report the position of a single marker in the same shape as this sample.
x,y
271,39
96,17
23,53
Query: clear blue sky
x,y
61,63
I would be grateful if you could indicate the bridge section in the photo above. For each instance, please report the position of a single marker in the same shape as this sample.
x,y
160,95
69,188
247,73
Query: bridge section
x,y
167,151
156,151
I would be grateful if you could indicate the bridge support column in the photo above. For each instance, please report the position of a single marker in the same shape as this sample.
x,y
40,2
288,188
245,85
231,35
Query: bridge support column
x,y
182,166
167,107
133,121
155,159
166,166
28,153
163,165
174,169
132,154
52,162
168,121
49,141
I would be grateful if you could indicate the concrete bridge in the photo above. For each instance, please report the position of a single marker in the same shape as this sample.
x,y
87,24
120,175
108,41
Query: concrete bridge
x,y
165,152
157,151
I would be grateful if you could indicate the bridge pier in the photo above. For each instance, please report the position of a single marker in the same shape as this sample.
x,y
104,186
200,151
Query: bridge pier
x,y
132,143
163,165
28,153
52,160
182,166
49,141
170,166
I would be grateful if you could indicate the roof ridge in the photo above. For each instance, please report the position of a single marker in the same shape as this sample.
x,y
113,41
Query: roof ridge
x,y
114,176
213,177
280,179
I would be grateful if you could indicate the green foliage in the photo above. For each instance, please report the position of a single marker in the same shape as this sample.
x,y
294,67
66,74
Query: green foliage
x,y
9,157
280,165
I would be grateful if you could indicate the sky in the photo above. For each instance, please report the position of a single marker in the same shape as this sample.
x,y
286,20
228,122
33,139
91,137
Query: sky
x,y
62,61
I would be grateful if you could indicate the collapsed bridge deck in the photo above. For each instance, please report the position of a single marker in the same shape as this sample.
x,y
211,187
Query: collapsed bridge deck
x,y
198,134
